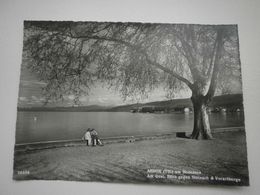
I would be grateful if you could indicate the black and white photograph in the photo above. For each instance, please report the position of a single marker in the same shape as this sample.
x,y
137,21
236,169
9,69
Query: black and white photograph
x,y
131,102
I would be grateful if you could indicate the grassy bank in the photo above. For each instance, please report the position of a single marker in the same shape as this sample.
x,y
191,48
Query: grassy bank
x,y
225,158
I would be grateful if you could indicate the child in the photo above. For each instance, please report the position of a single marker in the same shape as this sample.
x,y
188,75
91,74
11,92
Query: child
x,y
95,139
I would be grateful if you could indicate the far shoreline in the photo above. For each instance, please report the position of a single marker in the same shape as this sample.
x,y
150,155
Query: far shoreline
x,y
231,102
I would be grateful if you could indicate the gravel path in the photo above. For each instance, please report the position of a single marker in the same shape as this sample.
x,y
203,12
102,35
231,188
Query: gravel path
x,y
147,161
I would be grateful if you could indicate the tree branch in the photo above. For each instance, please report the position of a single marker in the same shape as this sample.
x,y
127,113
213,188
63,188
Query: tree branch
x,y
213,57
187,53
216,65
138,49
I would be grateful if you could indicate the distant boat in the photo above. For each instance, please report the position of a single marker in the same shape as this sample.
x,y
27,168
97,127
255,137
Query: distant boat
x,y
186,110
223,110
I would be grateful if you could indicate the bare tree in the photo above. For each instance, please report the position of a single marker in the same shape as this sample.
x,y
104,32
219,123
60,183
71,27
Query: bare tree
x,y
134,58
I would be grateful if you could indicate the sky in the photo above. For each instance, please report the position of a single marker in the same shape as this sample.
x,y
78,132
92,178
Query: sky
x,y
30,94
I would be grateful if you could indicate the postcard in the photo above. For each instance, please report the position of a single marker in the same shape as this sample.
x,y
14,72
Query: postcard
x,y
128,102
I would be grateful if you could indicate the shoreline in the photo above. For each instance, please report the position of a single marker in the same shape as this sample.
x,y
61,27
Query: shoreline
x,y
24,147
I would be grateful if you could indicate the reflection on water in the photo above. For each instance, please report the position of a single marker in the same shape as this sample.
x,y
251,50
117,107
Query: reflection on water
x,y
47,126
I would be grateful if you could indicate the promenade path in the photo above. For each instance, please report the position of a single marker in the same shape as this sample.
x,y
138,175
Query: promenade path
x,y
224,157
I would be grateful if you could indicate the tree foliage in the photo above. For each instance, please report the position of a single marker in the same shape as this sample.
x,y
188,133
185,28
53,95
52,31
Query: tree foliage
x,y
133,58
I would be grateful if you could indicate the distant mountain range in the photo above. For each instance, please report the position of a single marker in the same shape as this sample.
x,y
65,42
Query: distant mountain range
x,y
226,101
91,108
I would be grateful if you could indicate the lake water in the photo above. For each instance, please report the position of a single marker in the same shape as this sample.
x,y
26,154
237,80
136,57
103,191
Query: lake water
x,y
50,126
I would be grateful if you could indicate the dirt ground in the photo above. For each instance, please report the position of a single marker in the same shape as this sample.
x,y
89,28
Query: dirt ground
x,y
171,160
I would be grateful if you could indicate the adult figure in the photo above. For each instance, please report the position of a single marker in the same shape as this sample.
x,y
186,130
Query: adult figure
x,y
87,137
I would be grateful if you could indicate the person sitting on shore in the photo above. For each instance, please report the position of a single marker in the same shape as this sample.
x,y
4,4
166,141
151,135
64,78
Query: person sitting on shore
x,y
87,137
95,139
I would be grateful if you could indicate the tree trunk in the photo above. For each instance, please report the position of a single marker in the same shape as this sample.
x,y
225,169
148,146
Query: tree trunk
x,y
201,128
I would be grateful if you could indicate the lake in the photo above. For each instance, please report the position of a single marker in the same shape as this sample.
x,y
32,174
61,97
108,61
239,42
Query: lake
x,y
50,126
